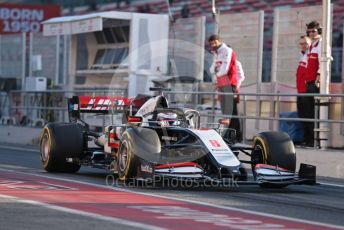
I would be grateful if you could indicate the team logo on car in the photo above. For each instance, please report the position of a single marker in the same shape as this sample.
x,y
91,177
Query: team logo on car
x,y
215,143
146,168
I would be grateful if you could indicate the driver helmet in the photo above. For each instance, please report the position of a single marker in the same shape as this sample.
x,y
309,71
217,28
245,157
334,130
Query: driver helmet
x,y
167,119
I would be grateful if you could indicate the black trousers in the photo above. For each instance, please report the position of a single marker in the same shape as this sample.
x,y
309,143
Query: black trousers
x,y
229,107
306,109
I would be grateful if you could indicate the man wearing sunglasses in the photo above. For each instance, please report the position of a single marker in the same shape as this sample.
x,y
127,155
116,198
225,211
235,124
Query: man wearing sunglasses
x,y
313,65
303,106
312,75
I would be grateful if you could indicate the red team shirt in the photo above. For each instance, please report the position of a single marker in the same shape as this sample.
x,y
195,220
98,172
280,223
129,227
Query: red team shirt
x,y
313,64
301,72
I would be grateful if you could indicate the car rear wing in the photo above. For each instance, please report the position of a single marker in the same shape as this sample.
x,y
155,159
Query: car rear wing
x,y
104,105
97,104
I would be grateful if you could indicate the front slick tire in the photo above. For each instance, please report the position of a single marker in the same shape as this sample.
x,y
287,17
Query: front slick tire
x,y
126,158
274,148
58,142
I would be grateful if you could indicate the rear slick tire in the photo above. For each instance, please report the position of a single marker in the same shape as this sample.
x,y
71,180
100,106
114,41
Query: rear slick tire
x,y
58,142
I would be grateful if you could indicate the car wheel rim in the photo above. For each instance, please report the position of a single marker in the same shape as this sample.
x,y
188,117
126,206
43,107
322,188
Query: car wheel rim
x,y
45,148
123,157
257,156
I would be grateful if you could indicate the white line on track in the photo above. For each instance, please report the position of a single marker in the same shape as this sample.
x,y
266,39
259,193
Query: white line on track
x,y
187,201
83,213
19,148
332,185
37,151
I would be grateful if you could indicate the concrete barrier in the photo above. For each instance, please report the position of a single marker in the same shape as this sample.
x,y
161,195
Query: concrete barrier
x,y
329,163
19,135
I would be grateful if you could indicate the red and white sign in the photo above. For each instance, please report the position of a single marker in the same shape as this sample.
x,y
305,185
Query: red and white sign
x,y
103,103
25,18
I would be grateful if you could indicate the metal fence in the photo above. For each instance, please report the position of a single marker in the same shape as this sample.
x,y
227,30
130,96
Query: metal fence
x,y
37,108
4,104
186,47
32,54
31,102
12,58
255,118
275,99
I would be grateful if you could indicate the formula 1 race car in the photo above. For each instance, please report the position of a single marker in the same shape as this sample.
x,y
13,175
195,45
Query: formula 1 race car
x,y
158,141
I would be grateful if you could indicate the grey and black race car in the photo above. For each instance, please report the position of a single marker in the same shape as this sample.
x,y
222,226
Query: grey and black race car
x,y
157,141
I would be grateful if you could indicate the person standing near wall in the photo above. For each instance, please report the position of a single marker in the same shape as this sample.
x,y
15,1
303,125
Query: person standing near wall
x,y
301,86
236,124
312,76
225,70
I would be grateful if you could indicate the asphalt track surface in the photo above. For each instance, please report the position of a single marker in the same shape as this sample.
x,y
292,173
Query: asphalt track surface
x,y
31,198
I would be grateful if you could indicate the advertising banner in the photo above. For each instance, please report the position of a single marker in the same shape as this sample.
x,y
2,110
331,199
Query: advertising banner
x,y
16,18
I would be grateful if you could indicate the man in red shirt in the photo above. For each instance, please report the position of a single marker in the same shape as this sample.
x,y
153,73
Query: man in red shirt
x,y
312,76
302,106
225,69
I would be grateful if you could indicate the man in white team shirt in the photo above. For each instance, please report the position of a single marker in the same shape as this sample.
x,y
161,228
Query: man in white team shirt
x,y
225,70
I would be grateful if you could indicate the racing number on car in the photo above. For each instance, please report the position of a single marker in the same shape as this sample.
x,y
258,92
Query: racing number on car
x,y
214,143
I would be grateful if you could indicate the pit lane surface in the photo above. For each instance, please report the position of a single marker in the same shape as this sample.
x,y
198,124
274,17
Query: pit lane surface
x,y
320,206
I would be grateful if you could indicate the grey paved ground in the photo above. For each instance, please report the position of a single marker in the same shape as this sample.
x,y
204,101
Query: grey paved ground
x,y
15,215
322,203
